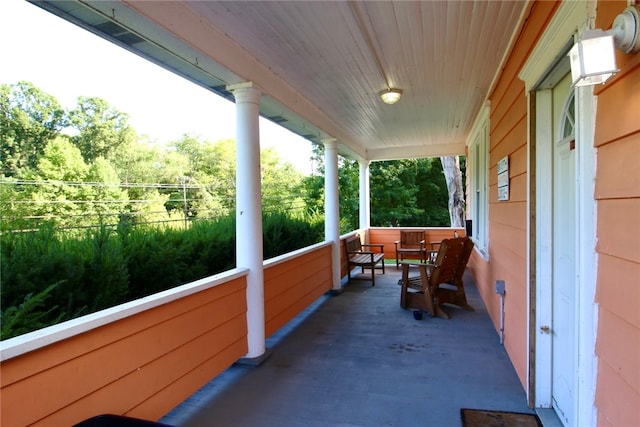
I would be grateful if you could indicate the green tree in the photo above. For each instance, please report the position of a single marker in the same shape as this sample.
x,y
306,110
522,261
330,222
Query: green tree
x,y
101,128
29,119
281,183
313,184
107,200
393,193
193,149
62,161
349,194
348,188
219,166
432,196
140,167
67,191
410,192
57,175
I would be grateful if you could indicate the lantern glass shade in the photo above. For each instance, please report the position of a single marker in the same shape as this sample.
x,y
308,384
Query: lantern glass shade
x,y
593,59
390,96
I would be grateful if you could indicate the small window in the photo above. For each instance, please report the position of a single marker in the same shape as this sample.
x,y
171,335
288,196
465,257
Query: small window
x,y
568,116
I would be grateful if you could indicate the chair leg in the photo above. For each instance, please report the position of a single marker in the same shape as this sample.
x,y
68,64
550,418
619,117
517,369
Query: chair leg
x,y
373,275
439,311
429,306
403,297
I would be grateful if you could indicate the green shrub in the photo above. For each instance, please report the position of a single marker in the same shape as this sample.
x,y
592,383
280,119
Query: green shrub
x,y
31,314
82,272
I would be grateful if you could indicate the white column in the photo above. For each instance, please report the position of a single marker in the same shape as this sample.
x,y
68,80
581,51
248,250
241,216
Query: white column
x,y
332,207
249,211
365,196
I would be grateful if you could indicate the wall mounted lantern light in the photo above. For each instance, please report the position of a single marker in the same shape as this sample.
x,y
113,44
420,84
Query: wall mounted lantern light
x,y
390,96
593,58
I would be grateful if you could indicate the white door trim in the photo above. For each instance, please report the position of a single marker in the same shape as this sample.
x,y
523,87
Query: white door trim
x,y
587,258
571,17
544,254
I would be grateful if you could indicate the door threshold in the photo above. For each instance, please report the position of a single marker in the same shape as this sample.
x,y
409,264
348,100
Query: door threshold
x,y
548,417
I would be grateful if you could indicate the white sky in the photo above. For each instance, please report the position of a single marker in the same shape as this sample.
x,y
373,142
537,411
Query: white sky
x,y
67,62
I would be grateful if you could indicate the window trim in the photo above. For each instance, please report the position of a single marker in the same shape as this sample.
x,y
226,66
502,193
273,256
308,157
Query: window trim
x,y
478,165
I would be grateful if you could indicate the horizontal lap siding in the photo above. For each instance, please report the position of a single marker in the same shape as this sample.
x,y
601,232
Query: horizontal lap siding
x,y
482,273
140,366
507,227
617,191
292,286
507,258
616,412
388,236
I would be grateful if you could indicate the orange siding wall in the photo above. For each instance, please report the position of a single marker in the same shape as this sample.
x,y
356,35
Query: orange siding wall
x,y
508,219
292,285
617,192
387,236
140,366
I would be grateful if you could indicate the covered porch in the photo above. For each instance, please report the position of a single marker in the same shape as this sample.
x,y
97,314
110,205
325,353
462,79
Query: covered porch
x,y
456,98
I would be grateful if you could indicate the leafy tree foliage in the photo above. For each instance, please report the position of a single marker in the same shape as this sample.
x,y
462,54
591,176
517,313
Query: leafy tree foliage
x,y
29,119
281,183
101,128
410,192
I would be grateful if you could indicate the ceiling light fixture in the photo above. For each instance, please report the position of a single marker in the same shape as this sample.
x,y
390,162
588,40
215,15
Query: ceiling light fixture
x,y
390,96
593,58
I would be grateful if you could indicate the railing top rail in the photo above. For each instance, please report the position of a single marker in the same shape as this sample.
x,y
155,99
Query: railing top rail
x,y
31,341
294,254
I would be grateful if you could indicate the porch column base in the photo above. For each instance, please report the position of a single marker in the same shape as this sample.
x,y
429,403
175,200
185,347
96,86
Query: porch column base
x,y
337,291
254,361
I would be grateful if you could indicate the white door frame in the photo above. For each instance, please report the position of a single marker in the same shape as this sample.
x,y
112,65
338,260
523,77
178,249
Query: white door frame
x,y
571,17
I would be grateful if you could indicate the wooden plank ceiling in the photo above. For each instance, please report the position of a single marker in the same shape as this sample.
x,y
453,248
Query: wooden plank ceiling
x,y
322,64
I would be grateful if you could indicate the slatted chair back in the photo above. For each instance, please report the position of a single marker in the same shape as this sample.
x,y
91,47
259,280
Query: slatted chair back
x,y
451,260
410,245
412,239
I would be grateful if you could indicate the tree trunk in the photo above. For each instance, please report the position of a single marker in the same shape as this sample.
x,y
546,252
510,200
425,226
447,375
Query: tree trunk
x,y
453,175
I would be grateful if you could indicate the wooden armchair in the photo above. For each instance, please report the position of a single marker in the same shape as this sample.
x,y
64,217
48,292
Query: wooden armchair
x,y
438,283
359,256
412,245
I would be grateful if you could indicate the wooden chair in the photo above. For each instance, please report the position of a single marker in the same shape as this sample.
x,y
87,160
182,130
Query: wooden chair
x,y
412,245
357,256
438,283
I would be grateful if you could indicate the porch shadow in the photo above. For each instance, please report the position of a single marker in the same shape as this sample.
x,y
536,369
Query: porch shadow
x,y
358,359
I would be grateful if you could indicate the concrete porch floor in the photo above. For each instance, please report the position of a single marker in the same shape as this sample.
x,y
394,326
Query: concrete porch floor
x,y
358,359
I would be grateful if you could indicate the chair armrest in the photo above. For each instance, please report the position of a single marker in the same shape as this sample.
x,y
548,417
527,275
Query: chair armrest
x,y
417,264
375,245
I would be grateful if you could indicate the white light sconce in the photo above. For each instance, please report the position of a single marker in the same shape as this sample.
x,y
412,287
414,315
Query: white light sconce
x,y
593,58
390,96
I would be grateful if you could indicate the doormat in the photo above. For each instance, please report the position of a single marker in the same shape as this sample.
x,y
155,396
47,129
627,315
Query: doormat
x,y
481,418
